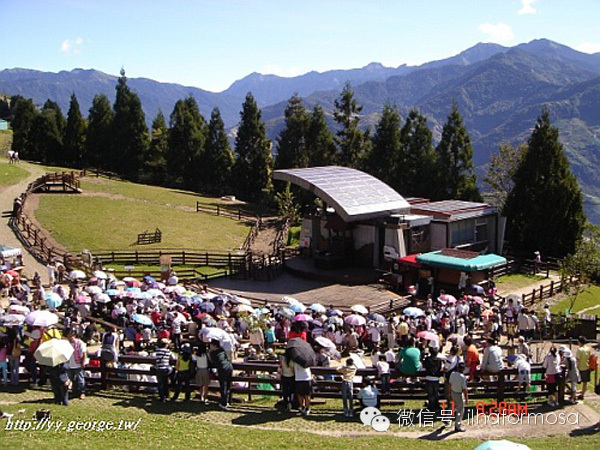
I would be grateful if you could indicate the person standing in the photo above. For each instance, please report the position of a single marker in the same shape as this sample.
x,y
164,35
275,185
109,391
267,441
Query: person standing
x,y
219,361
163,368
459,395
433,371
303,384
13,349
552,365
287,381
59,381
202,372
76,364
348,374
583,364
184,367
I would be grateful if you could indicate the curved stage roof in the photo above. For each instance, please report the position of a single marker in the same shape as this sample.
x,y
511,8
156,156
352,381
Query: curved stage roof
x,y
353,194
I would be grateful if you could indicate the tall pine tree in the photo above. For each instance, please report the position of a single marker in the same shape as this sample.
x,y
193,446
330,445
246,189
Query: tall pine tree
x,y
218,156
455,174
292,149
544,210
98,138
254,162
47,138
154,168
187,134
129,131
384,159
418,161
352,142
24,114
320,141
74,140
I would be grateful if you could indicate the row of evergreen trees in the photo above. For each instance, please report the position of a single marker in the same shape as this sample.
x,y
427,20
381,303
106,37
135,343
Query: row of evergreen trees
x,y
401,155
192,154
540,196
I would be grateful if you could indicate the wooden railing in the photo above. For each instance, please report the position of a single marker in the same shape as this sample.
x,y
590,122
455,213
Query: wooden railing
x,y
149,238
547,291
227,211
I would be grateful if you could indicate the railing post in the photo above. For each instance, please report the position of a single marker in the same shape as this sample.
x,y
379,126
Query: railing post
x,y
561,389
183,257
500,386
218,210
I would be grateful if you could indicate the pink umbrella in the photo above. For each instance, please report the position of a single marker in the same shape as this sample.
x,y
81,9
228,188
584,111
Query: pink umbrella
x,y
478,300
302,318
428,336
83,299
324,342
447,298
355,320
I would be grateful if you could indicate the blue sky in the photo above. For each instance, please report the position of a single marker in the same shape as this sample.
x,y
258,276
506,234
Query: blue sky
x,y
209,44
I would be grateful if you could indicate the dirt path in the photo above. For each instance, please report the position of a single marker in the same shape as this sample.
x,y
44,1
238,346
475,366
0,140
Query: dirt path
x,y
7,236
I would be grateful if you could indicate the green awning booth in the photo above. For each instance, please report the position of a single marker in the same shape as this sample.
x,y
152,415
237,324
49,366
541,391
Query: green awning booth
x,y
480,262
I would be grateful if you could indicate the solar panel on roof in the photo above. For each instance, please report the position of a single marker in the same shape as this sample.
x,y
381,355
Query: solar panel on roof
x,y
354,195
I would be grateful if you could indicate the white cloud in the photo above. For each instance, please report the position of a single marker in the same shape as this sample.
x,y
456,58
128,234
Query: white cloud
x,y
527,7
270,69
73,46
498,33
589,47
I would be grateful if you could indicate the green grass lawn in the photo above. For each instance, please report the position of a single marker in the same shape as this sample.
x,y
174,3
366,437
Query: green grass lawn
x,y
191,425
6,137
509,283
10,173
152,194
588,298
99,223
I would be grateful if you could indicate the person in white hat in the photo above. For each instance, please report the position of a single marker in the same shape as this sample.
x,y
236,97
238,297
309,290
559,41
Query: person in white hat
x,y
572,373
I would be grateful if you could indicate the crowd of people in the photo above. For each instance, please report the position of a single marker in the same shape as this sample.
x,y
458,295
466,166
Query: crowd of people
x,y
452,339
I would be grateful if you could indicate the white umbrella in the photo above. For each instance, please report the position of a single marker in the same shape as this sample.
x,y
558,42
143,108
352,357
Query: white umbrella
x,y
502,445
100,275
211,333
12,319
18,309
317,307
243,308
289,300
324,342
93,290
77,275
244,301
53,352
102,298
360,309
41,318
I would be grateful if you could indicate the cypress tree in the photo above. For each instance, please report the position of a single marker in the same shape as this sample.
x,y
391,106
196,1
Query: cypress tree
x,y
46,137
455,173
292,149
98,139
544,210
218,155
418,161
320,141
24,114
74,140
187,133
129,131
254,162
154,168
351,141
384,159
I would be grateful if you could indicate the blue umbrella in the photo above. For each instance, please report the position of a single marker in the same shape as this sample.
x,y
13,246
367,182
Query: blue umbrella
x,y
112,292
133,289
512,358
148,279
335,312
376,317
413,312
141,319
53,300
297,307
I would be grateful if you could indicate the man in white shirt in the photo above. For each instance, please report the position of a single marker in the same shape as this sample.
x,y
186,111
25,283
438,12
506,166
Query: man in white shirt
x,y
459,394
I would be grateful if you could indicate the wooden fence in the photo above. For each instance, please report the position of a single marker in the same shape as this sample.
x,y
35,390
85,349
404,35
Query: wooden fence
x,y
227,211
252,233
546,291
149,238
327,385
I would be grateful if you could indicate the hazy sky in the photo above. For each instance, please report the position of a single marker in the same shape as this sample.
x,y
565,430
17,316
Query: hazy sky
x,y
209,44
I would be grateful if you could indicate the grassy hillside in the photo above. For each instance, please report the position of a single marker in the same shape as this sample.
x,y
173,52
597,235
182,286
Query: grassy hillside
x,y
110,214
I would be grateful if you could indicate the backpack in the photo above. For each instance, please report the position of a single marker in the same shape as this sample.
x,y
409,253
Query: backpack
x,y
593,362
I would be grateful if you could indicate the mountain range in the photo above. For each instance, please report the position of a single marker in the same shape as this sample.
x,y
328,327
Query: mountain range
x,y
500,92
